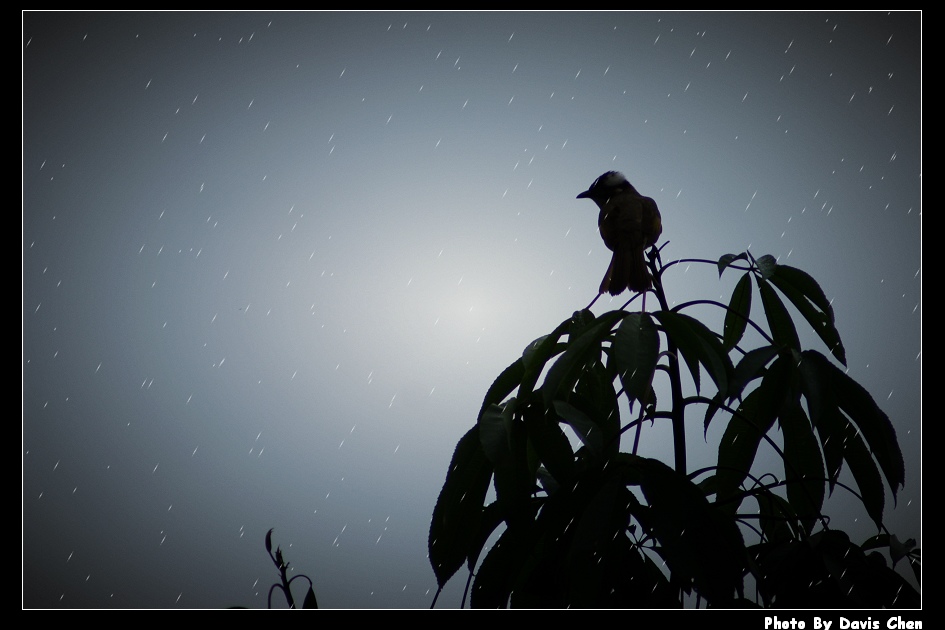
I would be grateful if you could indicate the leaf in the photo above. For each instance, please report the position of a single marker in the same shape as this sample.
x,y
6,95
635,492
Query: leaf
x,y
767,265
779,321
805,285
550,443
594,552
684,339
492,586
635,351
864,471
825,415
809,299
488,523
310,602
777,519
751,366
504,385
588,432
874,426
537,354
580,322
504,442
839,438
269,541
458,509
849,397
899,550
594,396
699,543
736,317
710,410
754,418
803,465
509,568
698,345
728,259
566,370
495,432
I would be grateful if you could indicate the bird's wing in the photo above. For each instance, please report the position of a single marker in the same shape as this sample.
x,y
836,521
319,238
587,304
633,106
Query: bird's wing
x,y
651,221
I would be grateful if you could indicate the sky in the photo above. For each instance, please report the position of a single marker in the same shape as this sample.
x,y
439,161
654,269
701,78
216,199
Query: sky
x,y
271,262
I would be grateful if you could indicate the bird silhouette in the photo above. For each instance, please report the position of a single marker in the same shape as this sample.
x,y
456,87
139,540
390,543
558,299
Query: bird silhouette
x,y
629,223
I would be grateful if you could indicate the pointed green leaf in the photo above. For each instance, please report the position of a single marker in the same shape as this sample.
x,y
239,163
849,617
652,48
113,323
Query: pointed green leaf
x,y
698,345
728,259
458,509
864,471
754,418
504,442
898,549
751,366
310,602
490,520
710,410
809,299
700,544
493,583
537,354
805,285
739,308
550,443
874,426
825,415
779,321
580,322
872,423
714,356
566,370
495,432
803,465
504,385
878,541
766,265
686,341
627,467
636,348
594,395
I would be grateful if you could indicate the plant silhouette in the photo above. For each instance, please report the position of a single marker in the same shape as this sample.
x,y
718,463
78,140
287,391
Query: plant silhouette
x,y
285,583
602,526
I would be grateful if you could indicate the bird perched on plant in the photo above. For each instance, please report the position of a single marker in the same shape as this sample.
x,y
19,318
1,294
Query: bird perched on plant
x,y
629,223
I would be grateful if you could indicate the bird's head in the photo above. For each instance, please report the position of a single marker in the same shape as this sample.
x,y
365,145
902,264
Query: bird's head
x,y
605,186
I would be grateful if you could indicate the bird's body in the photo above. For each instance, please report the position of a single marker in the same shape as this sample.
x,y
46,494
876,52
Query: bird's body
x,y
629,223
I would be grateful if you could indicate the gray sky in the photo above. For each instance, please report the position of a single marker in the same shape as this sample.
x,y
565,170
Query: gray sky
x,y
273,261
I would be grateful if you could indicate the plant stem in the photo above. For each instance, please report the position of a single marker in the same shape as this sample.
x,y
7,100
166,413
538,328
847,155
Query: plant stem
x,y
675,380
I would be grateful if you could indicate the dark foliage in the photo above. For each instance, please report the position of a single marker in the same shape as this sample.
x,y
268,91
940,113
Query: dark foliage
x,y
601,526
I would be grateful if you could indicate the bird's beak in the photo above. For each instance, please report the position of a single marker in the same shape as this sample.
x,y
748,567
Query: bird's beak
x,y
583,195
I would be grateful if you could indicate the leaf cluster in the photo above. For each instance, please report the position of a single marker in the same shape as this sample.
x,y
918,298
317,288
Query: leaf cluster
x,y
582,522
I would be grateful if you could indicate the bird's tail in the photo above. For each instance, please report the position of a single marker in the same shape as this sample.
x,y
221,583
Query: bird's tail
x,y
605,284
627,271
638,277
